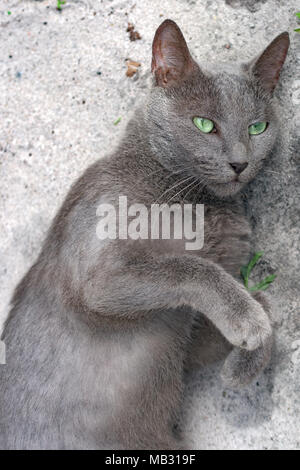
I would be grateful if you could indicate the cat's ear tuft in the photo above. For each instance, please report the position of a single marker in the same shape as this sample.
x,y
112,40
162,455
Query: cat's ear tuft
x,y
268,66
171,59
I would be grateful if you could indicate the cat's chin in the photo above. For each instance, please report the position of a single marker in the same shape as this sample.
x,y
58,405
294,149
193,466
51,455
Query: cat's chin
x,y
224,190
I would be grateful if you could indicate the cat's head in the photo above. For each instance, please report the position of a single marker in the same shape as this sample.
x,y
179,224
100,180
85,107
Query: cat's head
x,y
218,125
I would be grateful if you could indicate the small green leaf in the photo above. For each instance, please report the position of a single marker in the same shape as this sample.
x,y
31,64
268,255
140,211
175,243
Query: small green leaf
x,y
254,260
246,270
297,30
60,3
117,121
9,12
264,284
298,14
243,272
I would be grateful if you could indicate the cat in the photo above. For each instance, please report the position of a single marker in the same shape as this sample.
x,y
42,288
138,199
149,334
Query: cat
x,y
101,332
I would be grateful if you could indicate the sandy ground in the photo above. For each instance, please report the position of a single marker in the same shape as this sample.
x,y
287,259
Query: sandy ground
x,y
62,86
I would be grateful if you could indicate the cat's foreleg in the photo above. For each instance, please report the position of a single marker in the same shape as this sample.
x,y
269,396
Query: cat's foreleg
x,y
130,286
242,367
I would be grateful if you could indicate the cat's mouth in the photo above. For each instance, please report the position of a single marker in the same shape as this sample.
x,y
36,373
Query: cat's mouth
x,y
227,189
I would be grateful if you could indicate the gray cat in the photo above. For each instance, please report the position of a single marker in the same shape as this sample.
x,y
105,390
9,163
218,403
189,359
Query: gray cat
x,y
101,332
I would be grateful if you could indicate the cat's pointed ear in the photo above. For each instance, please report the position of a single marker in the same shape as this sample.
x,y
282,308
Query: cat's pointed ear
x,y
268,66
171,59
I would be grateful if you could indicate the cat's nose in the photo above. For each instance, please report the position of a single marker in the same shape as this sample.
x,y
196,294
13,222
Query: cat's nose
x,y
239,167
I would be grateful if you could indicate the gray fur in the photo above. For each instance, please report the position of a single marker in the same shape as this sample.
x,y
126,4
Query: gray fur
x,y
100,333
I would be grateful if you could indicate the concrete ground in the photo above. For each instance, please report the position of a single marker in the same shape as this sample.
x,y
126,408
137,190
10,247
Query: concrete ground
x,y
62,86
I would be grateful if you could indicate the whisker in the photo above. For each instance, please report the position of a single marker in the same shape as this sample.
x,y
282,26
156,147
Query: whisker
x,y
202,184
198,183
173,187
181,190
189,191
161,170
280,178
172,173
271,171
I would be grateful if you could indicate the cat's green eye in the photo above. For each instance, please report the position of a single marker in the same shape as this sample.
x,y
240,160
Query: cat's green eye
x,y
258,128
205,125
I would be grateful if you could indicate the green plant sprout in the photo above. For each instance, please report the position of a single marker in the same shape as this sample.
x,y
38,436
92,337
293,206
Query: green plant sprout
x,y
297,30
246,271
117,121
59,4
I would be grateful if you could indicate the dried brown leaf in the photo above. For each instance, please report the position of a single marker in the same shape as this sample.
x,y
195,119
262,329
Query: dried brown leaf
x,y
132,67
133,35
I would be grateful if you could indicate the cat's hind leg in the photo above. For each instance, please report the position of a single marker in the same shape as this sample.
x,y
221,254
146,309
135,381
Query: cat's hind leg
x,y
242,367
206,346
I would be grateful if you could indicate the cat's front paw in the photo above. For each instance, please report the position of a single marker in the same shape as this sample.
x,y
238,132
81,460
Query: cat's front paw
x,y
250,327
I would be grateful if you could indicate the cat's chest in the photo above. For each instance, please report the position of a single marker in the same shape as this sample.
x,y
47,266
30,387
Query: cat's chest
x,y
227,237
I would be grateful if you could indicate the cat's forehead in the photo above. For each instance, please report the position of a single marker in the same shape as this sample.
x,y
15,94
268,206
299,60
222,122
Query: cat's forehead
x,y
229,81
222,91
234,91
